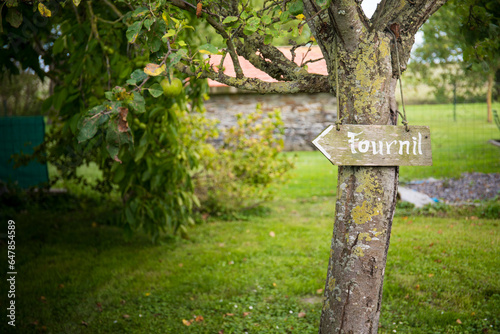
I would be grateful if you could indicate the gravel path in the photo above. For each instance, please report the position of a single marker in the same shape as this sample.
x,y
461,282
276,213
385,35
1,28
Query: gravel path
x,y
469,187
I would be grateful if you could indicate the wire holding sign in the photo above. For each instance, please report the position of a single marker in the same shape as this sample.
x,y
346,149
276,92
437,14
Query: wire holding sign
x,y
376,145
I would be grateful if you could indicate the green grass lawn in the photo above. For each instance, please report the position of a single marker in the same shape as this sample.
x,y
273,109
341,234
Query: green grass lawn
x,y
457,146
262,273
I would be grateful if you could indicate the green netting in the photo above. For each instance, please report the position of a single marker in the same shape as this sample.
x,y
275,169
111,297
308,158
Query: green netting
x,y
21,134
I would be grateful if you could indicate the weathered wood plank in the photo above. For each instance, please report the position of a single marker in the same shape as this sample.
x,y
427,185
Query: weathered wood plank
x,y
376,145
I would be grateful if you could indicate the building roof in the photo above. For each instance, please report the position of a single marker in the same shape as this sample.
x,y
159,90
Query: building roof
x,y
301,55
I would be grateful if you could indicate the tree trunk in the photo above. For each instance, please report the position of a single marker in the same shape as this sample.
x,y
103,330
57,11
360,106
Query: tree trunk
x,y
491,78
366,196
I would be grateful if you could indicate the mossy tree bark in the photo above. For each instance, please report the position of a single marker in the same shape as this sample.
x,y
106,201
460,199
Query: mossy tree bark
x,y
366,196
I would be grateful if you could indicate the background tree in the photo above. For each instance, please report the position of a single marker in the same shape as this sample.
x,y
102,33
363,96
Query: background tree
x,y
357,49
152,126
461,45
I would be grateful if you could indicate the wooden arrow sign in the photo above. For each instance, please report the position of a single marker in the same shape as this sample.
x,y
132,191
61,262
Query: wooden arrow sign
x,y
376,145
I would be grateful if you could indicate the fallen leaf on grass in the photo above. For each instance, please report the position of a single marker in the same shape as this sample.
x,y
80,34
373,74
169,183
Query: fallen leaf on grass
x,y
61,286
272,234
440,232
245,314
186,322
302,314
199,318
417,287
43,299
228,314
122,302
221,331
274,284
319,291
431,275
459,321
126,316
84,324
181,265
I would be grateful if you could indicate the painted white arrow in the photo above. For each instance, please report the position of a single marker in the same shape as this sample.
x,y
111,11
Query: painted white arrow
x,y
318,145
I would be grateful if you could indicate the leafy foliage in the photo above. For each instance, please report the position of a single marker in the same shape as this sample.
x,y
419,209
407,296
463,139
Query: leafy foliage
x,y
460,49
149,123
239,174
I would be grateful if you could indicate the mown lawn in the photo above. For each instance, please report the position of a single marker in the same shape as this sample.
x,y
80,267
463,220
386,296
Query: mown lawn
x,y
261,273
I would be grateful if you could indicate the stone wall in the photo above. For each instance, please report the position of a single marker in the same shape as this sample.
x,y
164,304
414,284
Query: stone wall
x,y
305,115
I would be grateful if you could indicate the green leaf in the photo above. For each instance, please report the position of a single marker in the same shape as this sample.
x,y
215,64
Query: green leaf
x,y
254,21
133,31
285,16
266,19
141,11
230,19
142,147
137,76
109,95
148,23
155,44
14,17
296,7
88,128
170,33
155,90
138,104
76,2
115,140
176,57
208,49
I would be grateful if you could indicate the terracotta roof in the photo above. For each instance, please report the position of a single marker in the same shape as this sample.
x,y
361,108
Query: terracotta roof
x,y
250,71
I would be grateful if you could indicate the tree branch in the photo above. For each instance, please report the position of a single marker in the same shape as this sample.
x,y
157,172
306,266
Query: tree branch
x,y
279,67
314,84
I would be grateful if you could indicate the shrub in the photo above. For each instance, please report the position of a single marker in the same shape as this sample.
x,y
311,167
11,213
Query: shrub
x,y
240,174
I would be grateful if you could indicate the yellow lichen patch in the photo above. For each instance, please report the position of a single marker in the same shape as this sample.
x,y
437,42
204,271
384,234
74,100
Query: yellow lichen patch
x,y
365,212
368,84
331,284
365,236
358,251
367,184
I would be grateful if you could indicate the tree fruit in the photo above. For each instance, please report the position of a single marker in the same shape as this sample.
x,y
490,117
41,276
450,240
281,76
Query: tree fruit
x,y
172,88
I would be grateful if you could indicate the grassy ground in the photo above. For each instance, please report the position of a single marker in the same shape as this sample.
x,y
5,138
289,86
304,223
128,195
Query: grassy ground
x,y
459,145
262,273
